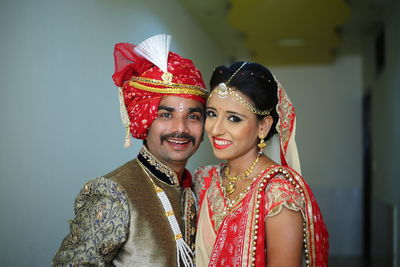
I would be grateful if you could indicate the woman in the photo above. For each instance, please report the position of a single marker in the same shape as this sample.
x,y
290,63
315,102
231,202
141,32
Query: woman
x,y
255,209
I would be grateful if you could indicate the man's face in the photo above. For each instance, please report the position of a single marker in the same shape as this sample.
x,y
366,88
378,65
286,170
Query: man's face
x,y
177,131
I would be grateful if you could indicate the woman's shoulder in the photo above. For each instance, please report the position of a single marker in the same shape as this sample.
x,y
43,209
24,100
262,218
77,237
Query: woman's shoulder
x,y
281,177
282,190
280,172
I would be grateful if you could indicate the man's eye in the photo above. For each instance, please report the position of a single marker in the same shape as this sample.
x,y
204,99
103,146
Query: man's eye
x,y
165,115
210,113
194,117
234,119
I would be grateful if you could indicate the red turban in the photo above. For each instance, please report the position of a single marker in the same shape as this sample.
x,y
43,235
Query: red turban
x,y
142,84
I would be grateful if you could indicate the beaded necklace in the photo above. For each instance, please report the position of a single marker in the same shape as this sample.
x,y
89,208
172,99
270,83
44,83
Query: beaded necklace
x,y
183,251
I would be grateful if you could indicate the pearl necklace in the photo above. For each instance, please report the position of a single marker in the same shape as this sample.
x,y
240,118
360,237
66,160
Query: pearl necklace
x,y
183,252
231,186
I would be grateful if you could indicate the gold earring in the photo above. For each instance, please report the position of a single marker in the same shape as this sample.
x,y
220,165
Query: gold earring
x,y
262,144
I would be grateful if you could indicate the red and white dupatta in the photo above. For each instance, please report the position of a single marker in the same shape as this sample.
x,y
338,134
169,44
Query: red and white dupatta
x,y
240,238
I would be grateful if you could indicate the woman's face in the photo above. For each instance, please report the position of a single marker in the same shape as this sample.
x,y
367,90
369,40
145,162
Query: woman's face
x,y
232,129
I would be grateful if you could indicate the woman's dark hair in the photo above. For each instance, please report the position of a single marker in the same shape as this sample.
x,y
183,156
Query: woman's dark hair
x,y
256,82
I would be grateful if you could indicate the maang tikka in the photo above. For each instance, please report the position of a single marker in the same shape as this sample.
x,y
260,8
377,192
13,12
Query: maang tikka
x,y
223,90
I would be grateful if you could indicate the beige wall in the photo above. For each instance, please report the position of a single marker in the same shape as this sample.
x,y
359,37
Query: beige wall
x,y
60,122
327,99
61,126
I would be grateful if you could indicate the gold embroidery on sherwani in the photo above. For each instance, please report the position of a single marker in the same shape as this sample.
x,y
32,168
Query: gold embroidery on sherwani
x,y
189,207
112,213
148,223
170,173
99,227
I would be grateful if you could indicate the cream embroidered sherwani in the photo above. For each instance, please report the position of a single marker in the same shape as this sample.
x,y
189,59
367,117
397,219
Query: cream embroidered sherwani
x,y
119,220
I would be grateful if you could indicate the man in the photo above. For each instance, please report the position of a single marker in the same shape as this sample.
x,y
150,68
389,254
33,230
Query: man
x,y
143,213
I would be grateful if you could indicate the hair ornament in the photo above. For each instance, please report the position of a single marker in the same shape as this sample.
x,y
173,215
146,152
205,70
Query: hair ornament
x,y
233,75
222,91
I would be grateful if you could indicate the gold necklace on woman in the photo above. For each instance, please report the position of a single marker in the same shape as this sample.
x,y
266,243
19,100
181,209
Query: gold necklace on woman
x,y
231,186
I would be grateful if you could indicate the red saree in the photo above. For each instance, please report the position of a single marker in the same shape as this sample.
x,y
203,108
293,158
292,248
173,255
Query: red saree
x,y
240,234
237,237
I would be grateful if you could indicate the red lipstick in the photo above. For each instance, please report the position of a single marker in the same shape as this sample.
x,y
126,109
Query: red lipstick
x,y
220,143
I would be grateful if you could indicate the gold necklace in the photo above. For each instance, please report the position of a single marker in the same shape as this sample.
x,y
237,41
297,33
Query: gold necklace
x,y
231,186
231,203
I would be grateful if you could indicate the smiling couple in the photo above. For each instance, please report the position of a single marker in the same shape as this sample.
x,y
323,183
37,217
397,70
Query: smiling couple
x,y
253,210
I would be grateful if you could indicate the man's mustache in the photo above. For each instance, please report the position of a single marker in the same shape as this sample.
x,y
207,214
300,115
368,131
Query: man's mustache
x,y
178,136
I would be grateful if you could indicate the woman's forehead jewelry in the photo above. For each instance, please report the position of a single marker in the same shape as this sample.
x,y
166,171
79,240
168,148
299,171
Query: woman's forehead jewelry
x,y
223,91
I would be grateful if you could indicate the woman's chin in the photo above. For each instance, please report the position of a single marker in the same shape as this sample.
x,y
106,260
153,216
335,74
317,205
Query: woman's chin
x,y
219,155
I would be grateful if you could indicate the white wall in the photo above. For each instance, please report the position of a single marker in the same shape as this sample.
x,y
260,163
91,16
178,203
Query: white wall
x,y
327,99
60,123
385,108
59,112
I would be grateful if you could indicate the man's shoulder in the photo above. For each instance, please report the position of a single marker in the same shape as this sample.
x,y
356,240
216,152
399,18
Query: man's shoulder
x,y
127,169
102,184
127,175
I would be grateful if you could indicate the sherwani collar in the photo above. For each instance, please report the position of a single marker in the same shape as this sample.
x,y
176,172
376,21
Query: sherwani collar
x,y
159,169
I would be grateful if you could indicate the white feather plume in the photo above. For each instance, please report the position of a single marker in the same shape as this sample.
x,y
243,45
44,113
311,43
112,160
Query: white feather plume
x,y
155,49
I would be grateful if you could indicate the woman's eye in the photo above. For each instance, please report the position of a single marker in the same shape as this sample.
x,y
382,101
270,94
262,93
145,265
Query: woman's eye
x,y
210,113
234,119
